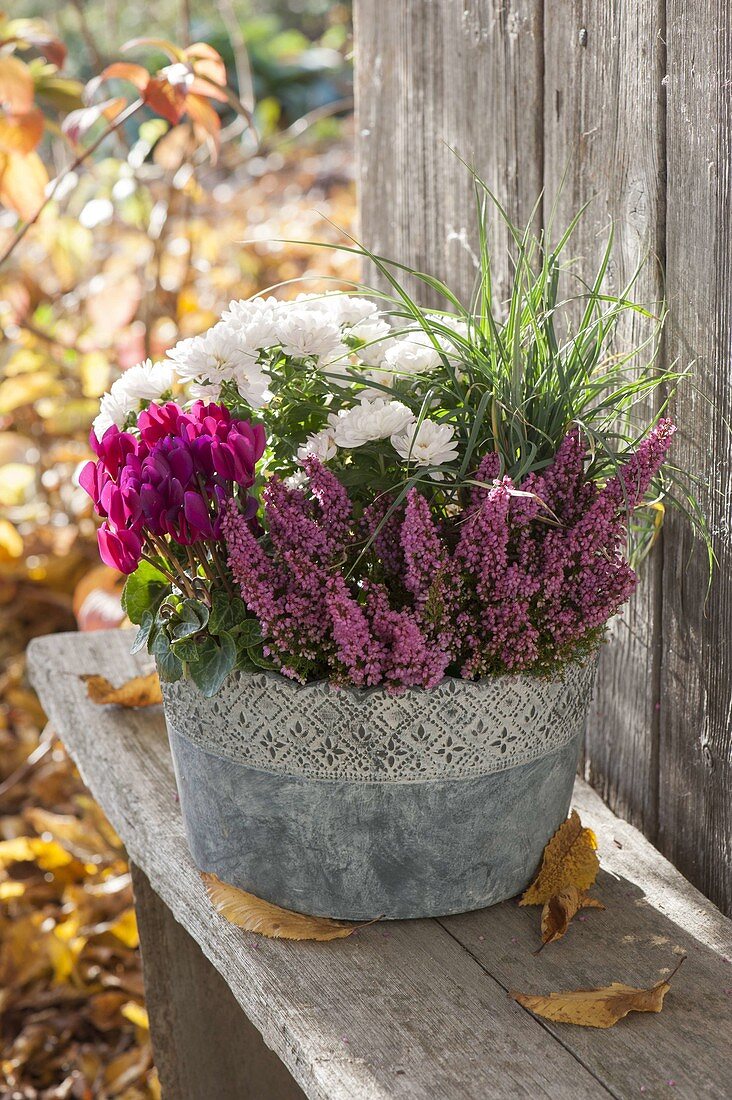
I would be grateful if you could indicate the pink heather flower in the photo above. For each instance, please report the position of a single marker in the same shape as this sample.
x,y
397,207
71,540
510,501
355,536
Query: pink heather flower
x,y
411,659
425,554
382,524
523,576
356,650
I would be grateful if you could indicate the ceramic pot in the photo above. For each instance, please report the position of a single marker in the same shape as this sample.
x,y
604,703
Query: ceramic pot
x,y
357,804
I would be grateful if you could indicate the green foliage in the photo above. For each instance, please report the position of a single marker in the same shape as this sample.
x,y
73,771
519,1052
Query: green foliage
x,y
205,638
143,592
515,375
215,659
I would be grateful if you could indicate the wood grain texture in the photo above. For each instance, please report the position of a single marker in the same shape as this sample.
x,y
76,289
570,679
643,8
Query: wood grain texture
x,y
419,1008
604,136
646,928
203,1043
393,1012
438,75
635,105
695,759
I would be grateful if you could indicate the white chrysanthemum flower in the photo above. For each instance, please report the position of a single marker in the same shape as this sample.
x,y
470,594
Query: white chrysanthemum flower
x,y
205,362
432,444
254,321
321,444
245,311
375,333
412,354
342,308
369,421
304,333
144,382
350,310
112,410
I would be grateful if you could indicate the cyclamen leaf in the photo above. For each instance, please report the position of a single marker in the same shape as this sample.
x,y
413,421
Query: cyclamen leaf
x,y
249,634
214,661
170,666
143,591
186,649
140,691
192,618
559,911
597,1007
143,634
570,859
226,613
255,915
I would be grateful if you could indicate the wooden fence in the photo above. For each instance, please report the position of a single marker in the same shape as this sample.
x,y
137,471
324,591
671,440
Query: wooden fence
x,y
637,97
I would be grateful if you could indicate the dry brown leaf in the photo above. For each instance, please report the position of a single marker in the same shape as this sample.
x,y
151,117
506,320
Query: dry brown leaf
x,y
570,859
560,910
140,691
255,915
597,1007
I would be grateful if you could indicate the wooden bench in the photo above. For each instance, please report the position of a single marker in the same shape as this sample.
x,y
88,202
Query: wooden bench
x,y
416,1009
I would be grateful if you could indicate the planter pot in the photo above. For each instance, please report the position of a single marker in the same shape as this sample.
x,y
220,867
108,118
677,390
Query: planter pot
x,y
357,804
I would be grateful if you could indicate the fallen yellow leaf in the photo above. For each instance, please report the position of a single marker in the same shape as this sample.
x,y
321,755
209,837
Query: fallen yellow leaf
x,y
78,837
140,691
11,543
136,1014
570,859
46,853
125,929
559,911
597,1007
255,915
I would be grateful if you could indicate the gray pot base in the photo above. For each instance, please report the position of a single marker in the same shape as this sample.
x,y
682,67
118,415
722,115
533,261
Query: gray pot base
x,y
424,833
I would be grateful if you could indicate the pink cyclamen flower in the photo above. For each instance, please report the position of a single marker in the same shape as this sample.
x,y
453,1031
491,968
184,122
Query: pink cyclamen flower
x,y
121,549
172,480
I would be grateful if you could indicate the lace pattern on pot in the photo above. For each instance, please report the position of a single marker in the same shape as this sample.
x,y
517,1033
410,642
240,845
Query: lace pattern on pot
x,y
459,729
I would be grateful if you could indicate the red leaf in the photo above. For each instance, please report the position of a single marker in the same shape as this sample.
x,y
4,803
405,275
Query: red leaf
x,y
206,123
200,86
52,48
16,86
207,62
23,180
119,70
166,99
21,133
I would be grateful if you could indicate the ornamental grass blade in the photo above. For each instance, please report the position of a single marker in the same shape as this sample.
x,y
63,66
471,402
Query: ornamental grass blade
x,y
570,859
254,915
140,691
597,1007
560,910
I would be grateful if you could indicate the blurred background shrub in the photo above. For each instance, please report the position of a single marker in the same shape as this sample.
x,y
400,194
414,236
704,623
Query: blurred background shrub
x,y
117,238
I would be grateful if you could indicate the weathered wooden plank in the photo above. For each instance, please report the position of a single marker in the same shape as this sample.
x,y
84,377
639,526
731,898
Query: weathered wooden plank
x,y
604,130
653,918
436,75
398,1011
695,759
203,1043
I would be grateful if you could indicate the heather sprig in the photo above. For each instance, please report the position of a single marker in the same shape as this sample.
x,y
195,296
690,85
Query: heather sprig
x,y
523,579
